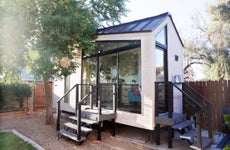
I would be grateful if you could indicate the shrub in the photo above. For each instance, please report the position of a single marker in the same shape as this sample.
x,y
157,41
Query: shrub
x,y
14,91
227,120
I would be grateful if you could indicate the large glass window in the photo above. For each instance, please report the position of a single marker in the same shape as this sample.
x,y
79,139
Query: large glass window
x,y
119,63
161,36
161,69
130,80
159,59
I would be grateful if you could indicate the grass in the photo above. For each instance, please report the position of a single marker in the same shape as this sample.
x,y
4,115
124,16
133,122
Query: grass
x,y
9,141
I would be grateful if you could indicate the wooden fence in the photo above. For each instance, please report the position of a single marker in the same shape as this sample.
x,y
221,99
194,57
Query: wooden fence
x,y
218,93
39,95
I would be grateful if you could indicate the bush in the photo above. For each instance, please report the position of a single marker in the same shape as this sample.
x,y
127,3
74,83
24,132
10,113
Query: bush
x,y
227,120
14,91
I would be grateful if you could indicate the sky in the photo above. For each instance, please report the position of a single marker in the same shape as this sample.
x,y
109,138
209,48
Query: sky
x,y
181,10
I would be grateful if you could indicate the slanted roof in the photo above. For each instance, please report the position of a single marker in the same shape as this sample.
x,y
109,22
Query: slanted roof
x,y
142,25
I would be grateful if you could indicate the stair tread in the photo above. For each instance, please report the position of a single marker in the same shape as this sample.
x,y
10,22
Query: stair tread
x,y
182,125
70,135
74,126
205,142
87,121
189,136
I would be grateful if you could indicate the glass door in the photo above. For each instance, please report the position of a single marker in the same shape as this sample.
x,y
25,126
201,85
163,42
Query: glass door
x,y
161,76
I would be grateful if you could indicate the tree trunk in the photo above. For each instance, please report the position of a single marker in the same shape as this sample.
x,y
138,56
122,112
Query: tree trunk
x,y
49,102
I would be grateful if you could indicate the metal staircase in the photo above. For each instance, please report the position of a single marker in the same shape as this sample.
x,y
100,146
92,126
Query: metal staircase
x,y
79,125
192,101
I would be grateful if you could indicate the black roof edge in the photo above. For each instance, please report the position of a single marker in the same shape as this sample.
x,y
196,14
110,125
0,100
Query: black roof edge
x,y
176,29
163,14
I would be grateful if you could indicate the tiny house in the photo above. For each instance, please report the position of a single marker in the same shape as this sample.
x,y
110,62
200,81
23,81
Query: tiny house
x,y
132,56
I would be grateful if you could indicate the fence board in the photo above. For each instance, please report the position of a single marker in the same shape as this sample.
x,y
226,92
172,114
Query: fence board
x,y
218,93
39,94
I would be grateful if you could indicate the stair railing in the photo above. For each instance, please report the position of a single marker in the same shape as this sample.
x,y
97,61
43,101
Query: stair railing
x,y
59,107
76,86
169,87
207,103
79,103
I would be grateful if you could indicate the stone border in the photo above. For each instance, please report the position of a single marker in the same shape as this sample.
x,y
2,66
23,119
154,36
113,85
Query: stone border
x,y
24,138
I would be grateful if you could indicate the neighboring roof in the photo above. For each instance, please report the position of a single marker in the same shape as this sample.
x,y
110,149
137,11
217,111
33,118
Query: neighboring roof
x,y
142,25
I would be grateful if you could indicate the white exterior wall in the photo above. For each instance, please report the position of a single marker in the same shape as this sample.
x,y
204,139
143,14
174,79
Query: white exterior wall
x,y
146,118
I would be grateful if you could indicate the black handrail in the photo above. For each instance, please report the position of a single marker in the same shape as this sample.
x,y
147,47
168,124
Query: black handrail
x,y
187,95
208,108
195,102
67,93
59,104
79,103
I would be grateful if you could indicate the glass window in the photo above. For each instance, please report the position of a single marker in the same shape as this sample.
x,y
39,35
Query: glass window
x,y
108,68
89,71
119,63
161,37
130,80
159,59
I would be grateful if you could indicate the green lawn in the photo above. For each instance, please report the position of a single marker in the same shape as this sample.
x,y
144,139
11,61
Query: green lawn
x,y
9,141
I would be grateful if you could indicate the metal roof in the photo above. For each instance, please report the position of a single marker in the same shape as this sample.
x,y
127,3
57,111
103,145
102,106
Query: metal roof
x,y
143,25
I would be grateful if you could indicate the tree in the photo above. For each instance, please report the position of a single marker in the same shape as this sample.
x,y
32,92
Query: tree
x,y
211,44
58,29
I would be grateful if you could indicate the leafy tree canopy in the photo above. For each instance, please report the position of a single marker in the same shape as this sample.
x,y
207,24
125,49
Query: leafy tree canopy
x,y
211,45
58,30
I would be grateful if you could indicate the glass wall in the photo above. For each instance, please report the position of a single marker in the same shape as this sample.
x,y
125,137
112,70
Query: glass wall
x,y
119,62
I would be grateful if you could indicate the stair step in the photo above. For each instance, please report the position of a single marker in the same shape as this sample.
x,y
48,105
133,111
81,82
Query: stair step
x,y
182,125
189,136
74,126
70,135
205,142
87,121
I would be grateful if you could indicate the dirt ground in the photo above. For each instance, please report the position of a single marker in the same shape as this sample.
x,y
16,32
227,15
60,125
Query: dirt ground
x,y
34,127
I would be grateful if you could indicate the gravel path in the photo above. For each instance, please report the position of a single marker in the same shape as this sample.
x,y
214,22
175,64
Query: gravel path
x,y
34,128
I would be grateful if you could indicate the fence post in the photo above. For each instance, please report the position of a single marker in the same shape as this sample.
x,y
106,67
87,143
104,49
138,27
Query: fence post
x,y
198,127
209,121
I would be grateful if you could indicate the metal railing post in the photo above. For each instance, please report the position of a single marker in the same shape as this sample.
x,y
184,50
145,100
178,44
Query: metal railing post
x,y
114,98
170,100
99,99
156,98
91,96
76,99
58,117
78,109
